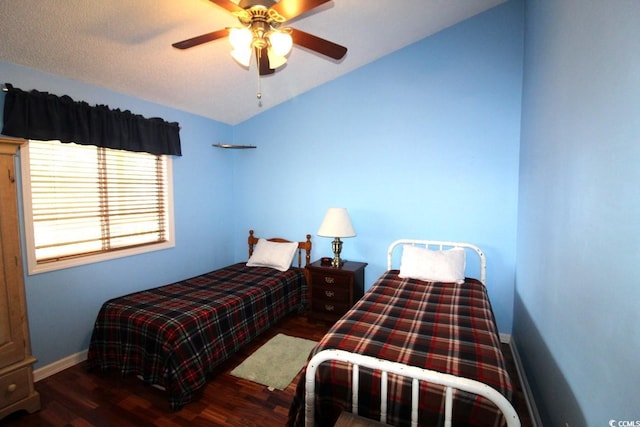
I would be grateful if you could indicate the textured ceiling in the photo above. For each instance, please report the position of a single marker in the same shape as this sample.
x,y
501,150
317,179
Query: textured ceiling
x,y
125,46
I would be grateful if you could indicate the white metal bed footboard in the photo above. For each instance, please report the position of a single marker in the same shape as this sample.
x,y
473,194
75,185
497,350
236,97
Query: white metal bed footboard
x,y
417,374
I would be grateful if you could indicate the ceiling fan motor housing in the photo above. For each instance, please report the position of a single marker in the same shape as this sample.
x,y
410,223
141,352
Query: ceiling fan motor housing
x,y
260,21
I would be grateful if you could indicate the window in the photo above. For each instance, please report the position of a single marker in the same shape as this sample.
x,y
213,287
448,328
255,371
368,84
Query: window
x,y
85,204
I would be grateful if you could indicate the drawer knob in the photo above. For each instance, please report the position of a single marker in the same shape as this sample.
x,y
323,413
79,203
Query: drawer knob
x,y
329,307
12,388
330,294
328,279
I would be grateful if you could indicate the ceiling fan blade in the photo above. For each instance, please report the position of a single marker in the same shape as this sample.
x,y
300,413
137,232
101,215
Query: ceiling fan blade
x,y
195,41
263,62
317,44
226,4
289,9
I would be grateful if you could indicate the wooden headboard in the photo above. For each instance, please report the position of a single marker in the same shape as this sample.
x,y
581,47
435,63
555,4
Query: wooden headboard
x,y
302,246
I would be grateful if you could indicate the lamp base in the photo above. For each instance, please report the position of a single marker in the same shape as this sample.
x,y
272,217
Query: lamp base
x,y
337,262
336,245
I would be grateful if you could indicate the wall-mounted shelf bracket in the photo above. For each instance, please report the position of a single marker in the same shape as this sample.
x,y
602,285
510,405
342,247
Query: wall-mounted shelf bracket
x,y
234,147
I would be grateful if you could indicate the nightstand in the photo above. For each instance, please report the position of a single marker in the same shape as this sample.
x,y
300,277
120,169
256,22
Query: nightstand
x,y
334,290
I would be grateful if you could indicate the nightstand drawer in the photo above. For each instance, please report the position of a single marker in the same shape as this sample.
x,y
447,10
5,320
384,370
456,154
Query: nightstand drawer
x,y
325,292
14,386
332,308
329,279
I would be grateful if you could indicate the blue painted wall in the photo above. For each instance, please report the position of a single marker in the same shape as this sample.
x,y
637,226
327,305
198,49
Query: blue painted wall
x,y
576,320
423,143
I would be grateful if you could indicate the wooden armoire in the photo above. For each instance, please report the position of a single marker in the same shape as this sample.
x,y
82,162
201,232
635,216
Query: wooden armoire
x,y
16,371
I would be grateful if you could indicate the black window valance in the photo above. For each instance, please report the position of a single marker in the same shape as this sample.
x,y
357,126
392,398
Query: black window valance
x,y
43,116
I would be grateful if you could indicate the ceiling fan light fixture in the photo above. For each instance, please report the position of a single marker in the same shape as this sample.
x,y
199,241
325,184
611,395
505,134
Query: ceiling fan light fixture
x,y
240,38
261,31
275,60
281,42
242,56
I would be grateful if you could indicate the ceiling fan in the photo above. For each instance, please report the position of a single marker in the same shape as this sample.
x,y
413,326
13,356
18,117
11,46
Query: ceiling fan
x,y
262,33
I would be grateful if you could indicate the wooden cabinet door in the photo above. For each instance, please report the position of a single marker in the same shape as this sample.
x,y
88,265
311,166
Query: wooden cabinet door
x,y
12,301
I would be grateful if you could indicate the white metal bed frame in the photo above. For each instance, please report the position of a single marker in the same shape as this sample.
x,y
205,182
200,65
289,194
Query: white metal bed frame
x,y
417,374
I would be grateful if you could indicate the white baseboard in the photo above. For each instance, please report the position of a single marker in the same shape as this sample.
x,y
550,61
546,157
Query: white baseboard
x,y
528,395
60,365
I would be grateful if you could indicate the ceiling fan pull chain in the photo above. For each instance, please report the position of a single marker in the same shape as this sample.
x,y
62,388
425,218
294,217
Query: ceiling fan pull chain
x,y
259,93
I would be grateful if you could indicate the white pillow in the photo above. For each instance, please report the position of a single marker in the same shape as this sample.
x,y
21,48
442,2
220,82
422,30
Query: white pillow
x,y
433,266
278,255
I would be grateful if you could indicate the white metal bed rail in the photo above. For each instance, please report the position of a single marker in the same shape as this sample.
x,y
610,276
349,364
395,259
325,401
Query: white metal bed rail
x,y
417,374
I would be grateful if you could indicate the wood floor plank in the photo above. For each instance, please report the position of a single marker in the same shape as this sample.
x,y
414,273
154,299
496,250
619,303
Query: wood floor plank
x,y
78,398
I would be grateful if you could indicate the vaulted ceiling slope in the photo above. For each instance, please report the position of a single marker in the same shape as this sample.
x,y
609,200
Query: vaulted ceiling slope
x,y
125,46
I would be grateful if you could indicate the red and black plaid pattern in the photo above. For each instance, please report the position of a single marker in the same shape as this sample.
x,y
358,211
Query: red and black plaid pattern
x,y
440,326
176,334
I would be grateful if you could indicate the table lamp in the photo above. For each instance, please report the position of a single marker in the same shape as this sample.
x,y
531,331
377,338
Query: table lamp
x,y
336,224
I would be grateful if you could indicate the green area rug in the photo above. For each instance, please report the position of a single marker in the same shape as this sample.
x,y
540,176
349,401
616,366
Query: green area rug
x,y
277,362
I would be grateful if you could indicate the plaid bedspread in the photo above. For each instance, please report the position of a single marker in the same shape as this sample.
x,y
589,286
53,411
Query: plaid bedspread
x,y
441,326
176,334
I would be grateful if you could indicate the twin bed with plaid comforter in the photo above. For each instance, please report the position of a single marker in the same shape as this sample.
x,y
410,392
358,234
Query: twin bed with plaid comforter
x,y
440,326
175,335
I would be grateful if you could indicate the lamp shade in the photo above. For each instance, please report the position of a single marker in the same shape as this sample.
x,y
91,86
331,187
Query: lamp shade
x,y
242,56
240,38
281,42
275,60
336,223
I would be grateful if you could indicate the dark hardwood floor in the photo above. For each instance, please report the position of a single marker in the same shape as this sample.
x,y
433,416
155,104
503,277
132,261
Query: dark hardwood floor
x,y
77,398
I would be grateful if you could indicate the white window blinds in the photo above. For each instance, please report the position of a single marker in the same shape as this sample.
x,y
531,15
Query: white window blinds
x,y
87,200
